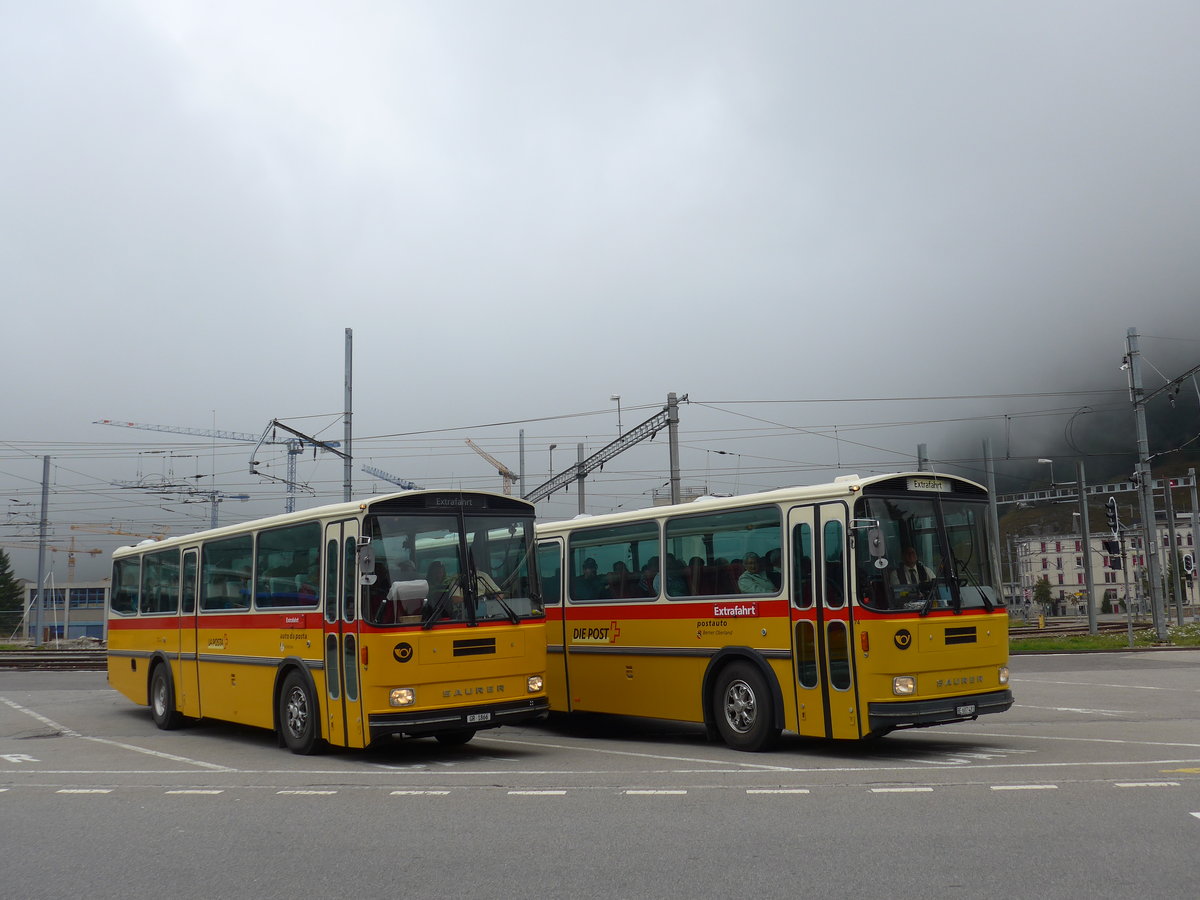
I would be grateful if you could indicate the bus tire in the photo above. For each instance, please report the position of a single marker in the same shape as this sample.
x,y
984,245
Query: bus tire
x,y
455,738
298,722
162,699
741,705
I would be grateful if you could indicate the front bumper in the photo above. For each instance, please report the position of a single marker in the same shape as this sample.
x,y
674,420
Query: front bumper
x,y
431,721
888,716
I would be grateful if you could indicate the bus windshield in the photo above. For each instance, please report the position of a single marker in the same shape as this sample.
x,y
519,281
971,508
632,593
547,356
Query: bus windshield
x,y
918,553
431,569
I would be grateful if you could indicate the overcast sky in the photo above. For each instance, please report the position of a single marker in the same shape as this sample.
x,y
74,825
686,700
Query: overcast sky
x,y
522,209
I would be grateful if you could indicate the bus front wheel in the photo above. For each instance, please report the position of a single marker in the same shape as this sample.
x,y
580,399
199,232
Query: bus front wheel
x,y
455,738
298,716
742,708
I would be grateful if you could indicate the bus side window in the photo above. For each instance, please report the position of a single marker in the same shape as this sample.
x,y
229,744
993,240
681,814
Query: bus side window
x,y
802,595
549,564
835,577
126,579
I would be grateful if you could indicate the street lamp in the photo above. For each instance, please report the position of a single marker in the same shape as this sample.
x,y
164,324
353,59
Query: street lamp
x,y
552,446
1050,463
617,397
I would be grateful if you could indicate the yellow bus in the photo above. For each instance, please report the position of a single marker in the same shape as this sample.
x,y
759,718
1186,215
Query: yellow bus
x,y
790,609
409,614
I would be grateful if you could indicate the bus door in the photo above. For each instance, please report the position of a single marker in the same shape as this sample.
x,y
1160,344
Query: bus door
x,y
188,687
550,569
344,724
822,627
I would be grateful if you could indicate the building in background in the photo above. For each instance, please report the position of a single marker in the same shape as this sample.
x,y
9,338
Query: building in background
x,y
71,611
1060,559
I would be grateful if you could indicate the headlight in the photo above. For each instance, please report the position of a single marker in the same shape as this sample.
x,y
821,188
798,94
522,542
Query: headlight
x,y
1004,674
903,685
533,683
402,697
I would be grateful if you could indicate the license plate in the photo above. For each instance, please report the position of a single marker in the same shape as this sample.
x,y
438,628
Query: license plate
x,y
487,717
968,710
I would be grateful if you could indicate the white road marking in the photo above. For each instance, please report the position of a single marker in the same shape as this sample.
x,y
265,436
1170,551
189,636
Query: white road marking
x,y
778,791
84,791
537,793
308,793
159,754
1132,687
1076,709
419,793
691,759
68,732
1024,787
49,723
902,790
1147,784
641,793
196,792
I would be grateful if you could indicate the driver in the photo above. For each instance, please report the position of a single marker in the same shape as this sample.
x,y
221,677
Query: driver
x,y
911,569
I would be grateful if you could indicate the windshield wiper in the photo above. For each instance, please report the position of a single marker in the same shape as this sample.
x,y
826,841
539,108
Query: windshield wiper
x,y
435,610
973,582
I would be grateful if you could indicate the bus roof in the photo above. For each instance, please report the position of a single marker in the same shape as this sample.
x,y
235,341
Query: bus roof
x,y
329,511
843,486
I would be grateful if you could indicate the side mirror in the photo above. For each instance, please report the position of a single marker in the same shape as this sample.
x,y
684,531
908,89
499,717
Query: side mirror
x,y
366,562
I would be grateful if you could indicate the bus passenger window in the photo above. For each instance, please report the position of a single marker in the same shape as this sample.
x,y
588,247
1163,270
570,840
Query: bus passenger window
x,y
802,594
126,580
549,564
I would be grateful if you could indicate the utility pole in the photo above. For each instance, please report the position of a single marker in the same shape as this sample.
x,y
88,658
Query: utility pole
x,y
673,440
348,460
1087,548
41,570
1137,396
1195,514
993,514
1172,558
521,463
581,474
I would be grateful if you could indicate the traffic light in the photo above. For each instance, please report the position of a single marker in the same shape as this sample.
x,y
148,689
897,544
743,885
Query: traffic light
x,y
1114,519
1113,549
1189,565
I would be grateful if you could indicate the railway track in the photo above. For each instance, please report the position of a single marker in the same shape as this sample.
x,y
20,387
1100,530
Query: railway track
x,y
1058,629
54,660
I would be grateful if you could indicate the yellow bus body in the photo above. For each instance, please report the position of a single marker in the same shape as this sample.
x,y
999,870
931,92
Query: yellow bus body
x,y
234,665
843,671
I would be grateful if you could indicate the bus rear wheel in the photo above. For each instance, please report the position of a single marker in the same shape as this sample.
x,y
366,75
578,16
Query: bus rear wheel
x,y
298,716
162,699
741,706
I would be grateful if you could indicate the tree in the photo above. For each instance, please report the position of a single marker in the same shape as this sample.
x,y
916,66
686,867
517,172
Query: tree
x,y
1042,594
11,597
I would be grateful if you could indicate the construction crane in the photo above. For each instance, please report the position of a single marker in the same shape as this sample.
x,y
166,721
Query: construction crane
x,y
69,550
160,531
394,479
295,446
507,474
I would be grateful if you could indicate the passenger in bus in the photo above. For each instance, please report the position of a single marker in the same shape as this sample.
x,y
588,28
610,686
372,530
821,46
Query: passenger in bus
x,y
676,583
407,591
647,585
753,580
620,583
771,567
911,570
697,584
589,585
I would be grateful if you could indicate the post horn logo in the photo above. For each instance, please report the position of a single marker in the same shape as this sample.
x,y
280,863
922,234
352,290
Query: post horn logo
x,y
403,652
903,639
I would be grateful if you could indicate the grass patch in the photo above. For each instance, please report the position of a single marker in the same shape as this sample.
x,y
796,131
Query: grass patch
x,y
1177,636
